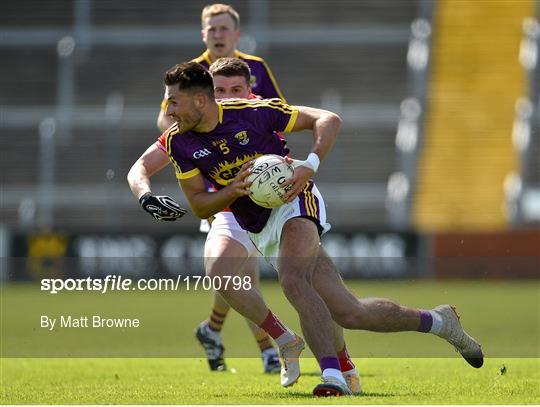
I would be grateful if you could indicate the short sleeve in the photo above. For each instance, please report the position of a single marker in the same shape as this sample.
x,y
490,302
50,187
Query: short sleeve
x,y
280,116
184,167
160,142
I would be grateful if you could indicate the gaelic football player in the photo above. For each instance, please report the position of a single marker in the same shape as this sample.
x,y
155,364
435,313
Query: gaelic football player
x,y
288,236
229,249
231,77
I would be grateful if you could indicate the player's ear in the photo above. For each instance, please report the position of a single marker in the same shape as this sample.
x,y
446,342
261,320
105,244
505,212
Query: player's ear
x,y
200,100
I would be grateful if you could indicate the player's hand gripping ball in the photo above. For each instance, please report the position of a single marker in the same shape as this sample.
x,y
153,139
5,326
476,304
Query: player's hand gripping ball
x,y
268,173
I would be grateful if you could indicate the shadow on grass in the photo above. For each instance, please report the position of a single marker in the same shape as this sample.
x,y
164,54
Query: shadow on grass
x,y
309,395
318,374
375,394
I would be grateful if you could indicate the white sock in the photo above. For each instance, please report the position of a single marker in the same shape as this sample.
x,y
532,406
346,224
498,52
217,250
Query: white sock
x,y
285,337
437,323
334,373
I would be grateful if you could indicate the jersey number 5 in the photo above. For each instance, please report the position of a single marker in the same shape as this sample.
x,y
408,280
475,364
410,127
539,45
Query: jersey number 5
x,y
223,147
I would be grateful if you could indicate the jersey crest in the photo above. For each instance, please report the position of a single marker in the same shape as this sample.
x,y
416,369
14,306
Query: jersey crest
x,y
242,138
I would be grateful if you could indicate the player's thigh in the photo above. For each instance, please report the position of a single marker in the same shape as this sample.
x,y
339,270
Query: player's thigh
x,y
220,245
299,238
224,256
251,270
298,249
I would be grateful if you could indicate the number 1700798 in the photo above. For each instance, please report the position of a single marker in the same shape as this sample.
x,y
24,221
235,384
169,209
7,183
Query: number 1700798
x,y
208,283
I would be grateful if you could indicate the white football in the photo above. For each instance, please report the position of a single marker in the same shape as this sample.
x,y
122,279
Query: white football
x,y
268,173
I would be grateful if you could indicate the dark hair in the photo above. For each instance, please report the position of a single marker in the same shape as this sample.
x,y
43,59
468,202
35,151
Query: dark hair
x,y
231,67
190,76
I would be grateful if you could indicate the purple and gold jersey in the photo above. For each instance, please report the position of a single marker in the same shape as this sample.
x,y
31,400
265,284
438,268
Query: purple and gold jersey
x,y
262,81
245,130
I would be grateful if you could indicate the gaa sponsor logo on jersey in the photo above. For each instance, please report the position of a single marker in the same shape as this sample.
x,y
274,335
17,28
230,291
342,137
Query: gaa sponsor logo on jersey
x,y
242,138
225,172
201,153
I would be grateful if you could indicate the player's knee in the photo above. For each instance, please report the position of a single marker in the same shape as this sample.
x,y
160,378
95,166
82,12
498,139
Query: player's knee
x,y
214,269
349,319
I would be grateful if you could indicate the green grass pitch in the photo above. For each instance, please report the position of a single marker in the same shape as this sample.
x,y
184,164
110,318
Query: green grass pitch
x,y
502,315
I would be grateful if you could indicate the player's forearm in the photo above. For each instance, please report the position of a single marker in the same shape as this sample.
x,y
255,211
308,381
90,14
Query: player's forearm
x,y
138,180
207,204
149,163
325,132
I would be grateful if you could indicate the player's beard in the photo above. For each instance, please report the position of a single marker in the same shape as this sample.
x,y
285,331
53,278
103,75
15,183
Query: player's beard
x,y
189,122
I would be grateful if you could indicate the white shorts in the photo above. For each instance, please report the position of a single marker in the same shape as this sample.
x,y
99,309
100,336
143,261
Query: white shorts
x,y
225,224
309,203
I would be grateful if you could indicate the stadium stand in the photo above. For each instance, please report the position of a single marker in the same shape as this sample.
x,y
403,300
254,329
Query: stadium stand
x,y
367,78
346,56
470,119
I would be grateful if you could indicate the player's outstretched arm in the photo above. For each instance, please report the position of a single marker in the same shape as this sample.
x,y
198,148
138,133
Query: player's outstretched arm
x,y
205,204
325,126
160,207
149,163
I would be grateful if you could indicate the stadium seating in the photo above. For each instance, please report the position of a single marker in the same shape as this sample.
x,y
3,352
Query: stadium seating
x,y
363,74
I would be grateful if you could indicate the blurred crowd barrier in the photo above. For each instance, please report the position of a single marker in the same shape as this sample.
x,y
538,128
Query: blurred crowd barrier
x,y
375,255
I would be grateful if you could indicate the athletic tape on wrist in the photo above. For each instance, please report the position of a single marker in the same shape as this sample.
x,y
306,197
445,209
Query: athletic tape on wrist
x,y
312,162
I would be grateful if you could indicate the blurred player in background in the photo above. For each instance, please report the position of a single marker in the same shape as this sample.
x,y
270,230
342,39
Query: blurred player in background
x,y
221,33
288,236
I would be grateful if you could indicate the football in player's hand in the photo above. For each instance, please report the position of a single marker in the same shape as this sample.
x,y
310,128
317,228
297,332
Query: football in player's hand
x,y
268,173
